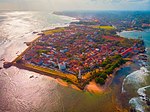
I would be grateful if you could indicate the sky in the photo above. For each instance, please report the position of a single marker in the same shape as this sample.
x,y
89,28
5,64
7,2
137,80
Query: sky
x,y
57,5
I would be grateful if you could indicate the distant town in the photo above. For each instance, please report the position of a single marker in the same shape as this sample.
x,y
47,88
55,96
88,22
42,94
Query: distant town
x,y
121,20
79,53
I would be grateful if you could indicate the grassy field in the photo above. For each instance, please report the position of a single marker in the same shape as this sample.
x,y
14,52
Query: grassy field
x,y
51,31
105,27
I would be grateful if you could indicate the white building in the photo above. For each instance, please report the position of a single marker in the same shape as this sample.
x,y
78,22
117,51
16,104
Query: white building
x,y
79,75
62,66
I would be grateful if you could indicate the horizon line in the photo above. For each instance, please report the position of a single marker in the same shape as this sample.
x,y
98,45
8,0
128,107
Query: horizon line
x,y
74,10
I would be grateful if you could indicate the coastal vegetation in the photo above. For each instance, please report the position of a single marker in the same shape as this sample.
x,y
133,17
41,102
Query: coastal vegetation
x,y
100,80
108,66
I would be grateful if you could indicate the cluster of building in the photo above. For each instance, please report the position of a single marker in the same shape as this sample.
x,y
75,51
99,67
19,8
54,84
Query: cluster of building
x,y
76,49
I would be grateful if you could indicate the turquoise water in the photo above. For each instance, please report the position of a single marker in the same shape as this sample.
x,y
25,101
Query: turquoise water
x,y
137,83
135,34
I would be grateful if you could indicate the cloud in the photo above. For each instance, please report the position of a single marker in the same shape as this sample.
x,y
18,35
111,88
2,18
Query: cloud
x,y
75,4
120,0
136,0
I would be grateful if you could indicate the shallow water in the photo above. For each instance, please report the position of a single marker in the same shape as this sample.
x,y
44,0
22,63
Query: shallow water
x,y
17,91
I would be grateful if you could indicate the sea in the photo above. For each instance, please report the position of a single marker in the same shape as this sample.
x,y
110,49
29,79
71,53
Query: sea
x,y
136,85
21,93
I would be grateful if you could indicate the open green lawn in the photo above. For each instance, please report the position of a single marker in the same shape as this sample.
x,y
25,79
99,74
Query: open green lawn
x,y
105,27
51,31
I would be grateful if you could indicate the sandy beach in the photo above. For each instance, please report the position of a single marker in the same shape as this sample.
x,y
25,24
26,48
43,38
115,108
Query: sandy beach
x,y
65,84
92,87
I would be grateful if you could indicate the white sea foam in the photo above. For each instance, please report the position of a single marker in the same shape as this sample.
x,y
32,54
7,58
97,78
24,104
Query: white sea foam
x,y
135,78
141,91
136,81
137,104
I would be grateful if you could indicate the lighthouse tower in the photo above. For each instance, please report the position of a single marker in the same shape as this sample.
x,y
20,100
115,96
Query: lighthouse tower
x,y
79,75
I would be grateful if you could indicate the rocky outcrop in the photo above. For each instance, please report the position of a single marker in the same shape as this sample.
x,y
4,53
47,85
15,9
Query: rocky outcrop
x,y
7,64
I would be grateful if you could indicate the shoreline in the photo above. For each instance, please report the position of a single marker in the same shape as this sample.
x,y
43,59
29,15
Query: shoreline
x,y
66,84
92,87
69,92
96,88
55,74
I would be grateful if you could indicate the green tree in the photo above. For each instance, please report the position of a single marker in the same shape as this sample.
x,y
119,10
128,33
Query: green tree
x,y
104,76
99,80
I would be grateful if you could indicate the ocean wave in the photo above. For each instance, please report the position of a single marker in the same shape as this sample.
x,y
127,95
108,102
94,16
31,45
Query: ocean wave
x,y
140,103
137,104
141,91
135,78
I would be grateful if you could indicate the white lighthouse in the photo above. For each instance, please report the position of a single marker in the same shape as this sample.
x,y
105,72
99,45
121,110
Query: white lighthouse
x,y
79,75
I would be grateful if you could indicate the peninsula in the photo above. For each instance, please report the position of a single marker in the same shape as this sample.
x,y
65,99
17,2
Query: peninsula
x,y
78,53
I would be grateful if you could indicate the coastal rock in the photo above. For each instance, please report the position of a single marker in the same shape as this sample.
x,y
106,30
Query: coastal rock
x,y
35,32
7,64
2,59
148,102
28,43
42,34
132,110
31,76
